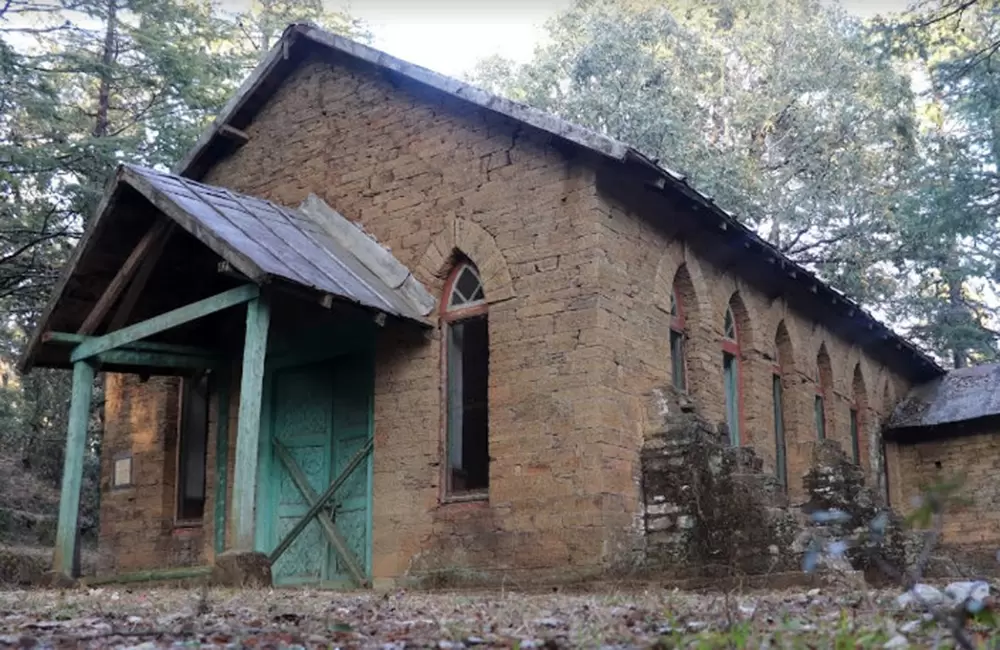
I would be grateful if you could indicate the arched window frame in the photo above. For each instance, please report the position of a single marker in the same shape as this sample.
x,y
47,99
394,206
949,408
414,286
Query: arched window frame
x,y
822,396
678,337
859,402
732,370
469,308
778,406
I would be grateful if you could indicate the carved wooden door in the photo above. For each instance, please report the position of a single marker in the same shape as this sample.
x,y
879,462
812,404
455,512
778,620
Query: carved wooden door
x,y
320,426
303,423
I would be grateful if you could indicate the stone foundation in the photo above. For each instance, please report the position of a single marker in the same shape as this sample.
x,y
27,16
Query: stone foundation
x,y
709,509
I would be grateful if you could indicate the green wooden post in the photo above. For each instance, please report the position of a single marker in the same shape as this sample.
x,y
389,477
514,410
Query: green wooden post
x,y
76,445
248,427
221,460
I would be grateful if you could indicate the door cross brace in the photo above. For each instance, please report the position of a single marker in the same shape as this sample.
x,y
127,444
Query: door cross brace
x,y
317,505
329,527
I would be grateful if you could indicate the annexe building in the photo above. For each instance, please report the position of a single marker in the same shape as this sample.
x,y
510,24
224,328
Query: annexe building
x,y
382,326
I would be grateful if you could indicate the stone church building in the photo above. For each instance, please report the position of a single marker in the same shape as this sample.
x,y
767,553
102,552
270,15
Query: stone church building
x,y
379,326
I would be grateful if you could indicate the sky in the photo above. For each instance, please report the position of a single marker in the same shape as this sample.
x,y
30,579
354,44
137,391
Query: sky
x,y
449,36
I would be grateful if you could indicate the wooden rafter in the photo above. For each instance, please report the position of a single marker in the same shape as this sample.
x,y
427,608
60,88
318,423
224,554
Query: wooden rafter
x,y
125,274
138,284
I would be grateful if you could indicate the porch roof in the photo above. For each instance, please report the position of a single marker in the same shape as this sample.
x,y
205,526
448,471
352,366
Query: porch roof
x,y
961,395
312,247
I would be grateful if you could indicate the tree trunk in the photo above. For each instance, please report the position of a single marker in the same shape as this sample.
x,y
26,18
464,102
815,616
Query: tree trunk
x,y
108,55
957,310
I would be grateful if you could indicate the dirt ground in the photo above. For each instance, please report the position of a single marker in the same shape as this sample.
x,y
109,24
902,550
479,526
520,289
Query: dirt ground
x,y
134,617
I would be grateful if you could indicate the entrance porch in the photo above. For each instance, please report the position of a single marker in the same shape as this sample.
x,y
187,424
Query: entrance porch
x,y
263,321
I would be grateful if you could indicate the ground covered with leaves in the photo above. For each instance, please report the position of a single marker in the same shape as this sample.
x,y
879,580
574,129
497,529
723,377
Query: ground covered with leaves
x,y
157,618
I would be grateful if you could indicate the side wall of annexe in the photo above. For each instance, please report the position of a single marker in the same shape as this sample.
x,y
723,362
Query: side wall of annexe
x,y
578,285
969,452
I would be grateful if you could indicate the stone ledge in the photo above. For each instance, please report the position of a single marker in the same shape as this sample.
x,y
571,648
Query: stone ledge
x,y
241,569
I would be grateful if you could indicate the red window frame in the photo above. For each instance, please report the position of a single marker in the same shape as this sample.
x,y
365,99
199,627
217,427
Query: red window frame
x,y
731,346
678,325
821,392
449,316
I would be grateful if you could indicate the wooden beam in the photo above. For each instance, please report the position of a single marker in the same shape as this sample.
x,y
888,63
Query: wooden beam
x,y
138,284
329,527
76,446
143,359
148,346
152,575
234,135
323,498
248,427
125,274
166,321
221,458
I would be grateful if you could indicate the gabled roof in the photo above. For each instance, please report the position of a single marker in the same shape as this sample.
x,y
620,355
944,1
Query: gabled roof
x,y
962,394
312,248
806,291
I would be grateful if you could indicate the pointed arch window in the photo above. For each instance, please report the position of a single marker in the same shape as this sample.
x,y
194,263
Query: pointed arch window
x,y
678,363
731,375
823,372
777,398
466,351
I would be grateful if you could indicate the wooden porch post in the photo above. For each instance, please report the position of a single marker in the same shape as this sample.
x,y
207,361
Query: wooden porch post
x,y
76,443
248,427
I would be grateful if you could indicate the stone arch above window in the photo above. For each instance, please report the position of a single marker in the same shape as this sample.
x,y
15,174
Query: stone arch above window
x,y
736,323
677,274
460,239
784,349
824,392
824,371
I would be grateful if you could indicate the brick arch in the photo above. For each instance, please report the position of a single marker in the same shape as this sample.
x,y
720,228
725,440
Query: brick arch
x,y
823,369
744,322
672,259
462,237
784,347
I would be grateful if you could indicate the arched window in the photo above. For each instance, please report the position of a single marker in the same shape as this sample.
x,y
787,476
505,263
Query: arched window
x,y
731,375
859,405
781,357
678,368
824,375
466,351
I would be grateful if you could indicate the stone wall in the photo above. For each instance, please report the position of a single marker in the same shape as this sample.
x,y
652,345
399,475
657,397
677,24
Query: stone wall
x,y
431,177
641,258
709,508
138,527
970,452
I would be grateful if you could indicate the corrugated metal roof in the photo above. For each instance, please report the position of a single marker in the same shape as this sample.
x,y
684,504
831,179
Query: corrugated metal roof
x,y
262,239
962,394
278,63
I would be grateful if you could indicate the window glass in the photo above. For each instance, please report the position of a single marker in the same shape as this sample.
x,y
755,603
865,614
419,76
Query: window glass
x,y
467,384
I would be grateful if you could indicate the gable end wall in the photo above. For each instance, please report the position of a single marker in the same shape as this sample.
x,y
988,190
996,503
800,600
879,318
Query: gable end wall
x,y
429,175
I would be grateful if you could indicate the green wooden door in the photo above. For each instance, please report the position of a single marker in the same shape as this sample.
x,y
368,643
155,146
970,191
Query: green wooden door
x,y
320,414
